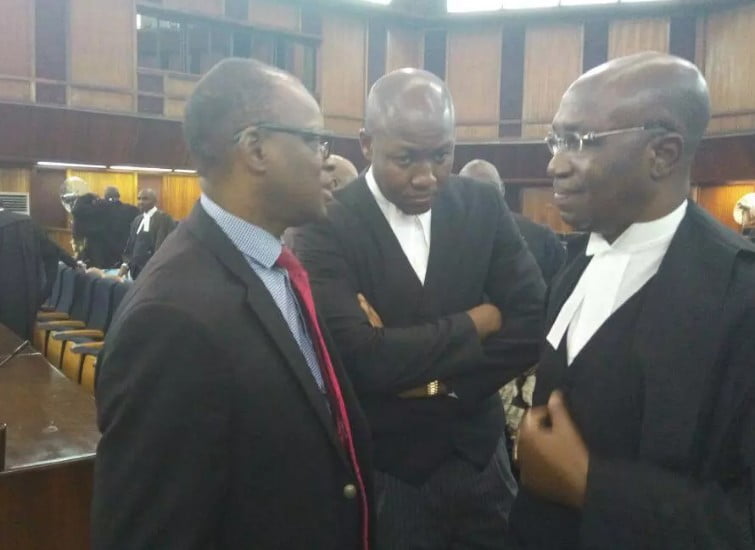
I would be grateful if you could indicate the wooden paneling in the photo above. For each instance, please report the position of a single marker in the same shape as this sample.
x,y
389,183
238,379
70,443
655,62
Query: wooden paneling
x,y
730,68
595,47
15,180
34,132
125,182
174,108
274,14
101,99
629,36
181,87
435,50
153,182
343,62
682,39
62,237
212,7
179,193
511,83
44,198
377,38
474,80
16,38
404,49
15,90
51,39
538,205
719,200
546,82
102,42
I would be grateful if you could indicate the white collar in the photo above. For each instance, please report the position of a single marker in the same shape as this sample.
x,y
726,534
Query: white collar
x,y
639,236
389,209
151,212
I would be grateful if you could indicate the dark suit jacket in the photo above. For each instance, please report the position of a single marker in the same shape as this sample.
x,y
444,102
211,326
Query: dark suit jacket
x,y
694,485
214,433
28,267
161,225
548,251
475,252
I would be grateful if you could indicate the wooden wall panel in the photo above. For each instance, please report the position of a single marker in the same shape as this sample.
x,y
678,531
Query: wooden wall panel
x,y
730,68
212,7
102,43
538,205
474,80
404,49
544,82
15,180
101,99
98,181
178,86
44,199
179,193
16,38
719,200
15,90
174,108
274,14
629,36
344,72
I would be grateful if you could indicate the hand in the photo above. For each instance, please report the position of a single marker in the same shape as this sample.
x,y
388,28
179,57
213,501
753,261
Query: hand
x,y
486,319
123,270
553,459
372,315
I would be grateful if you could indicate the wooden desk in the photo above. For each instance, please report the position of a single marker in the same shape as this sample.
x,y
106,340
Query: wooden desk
x,y
46,488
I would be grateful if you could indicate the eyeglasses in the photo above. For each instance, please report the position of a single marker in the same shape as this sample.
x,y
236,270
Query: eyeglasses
x,y
575,142
322,139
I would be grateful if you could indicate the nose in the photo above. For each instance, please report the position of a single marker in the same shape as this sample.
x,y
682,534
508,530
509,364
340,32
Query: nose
x,y
559,166
423,177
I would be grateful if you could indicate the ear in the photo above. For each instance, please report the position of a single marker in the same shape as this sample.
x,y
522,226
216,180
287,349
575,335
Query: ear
x,y
251,152
667,151
365,142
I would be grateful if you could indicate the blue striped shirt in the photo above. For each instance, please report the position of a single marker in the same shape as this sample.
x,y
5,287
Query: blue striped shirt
x,y
261,250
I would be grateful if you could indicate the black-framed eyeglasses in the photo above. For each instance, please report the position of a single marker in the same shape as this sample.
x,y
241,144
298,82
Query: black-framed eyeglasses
x,y
322,139
574,141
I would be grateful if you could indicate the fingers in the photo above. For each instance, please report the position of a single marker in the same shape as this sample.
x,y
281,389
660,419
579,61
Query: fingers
x,y
557,407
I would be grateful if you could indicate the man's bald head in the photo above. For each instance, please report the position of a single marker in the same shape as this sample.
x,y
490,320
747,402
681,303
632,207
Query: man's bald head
x,y
482,170
408,98
234,94
337,172
648,89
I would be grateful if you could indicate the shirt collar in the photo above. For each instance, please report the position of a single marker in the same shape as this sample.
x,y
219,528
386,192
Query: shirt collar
x,y
149,213
639,236
389,209
251,240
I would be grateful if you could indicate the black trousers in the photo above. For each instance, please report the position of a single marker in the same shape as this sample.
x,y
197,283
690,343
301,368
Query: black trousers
x,y
458,508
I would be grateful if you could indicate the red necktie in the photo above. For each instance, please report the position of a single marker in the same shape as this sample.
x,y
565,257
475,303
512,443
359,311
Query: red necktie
x,y
300,282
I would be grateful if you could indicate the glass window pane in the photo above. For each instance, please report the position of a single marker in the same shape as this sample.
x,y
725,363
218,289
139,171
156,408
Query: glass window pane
x,y
198,40
457,6
220,47
171,45
242,44
263,48
147,41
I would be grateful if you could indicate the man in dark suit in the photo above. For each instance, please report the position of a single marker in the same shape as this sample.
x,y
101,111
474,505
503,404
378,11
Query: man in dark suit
x,y
227,422
148,231
643,434
545,246
401,268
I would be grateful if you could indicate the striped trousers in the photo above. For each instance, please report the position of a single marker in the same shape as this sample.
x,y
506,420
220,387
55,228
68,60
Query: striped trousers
x,y
458,508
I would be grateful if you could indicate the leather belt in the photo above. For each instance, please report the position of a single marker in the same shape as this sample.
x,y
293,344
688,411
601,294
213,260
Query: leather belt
x,y
432,389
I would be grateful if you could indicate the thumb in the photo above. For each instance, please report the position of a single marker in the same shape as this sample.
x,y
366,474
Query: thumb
x,y
557,407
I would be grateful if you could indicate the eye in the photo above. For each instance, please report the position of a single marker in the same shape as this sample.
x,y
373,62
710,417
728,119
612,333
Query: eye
x,y
403,160
441,157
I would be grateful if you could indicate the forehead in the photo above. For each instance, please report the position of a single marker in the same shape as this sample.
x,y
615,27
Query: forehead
x,y
425,135
297,107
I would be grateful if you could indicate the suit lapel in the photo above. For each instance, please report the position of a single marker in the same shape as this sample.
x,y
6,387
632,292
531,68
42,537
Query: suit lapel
x,y
677,361
262,304
358,196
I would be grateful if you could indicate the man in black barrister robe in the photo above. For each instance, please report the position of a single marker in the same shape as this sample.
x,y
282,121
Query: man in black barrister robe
x,y
643,430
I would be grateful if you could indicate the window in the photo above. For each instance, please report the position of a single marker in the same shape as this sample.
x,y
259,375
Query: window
x,y
194,46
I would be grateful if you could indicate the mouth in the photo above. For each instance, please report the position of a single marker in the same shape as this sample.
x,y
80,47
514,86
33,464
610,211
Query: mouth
x,y
564,194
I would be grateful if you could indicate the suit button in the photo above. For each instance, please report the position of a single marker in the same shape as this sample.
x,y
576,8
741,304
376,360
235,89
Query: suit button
x,y
349,491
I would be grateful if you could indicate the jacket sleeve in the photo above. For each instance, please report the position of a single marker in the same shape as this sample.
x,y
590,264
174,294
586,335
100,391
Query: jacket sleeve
x,y
639,505
380,360
514,284
162,406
